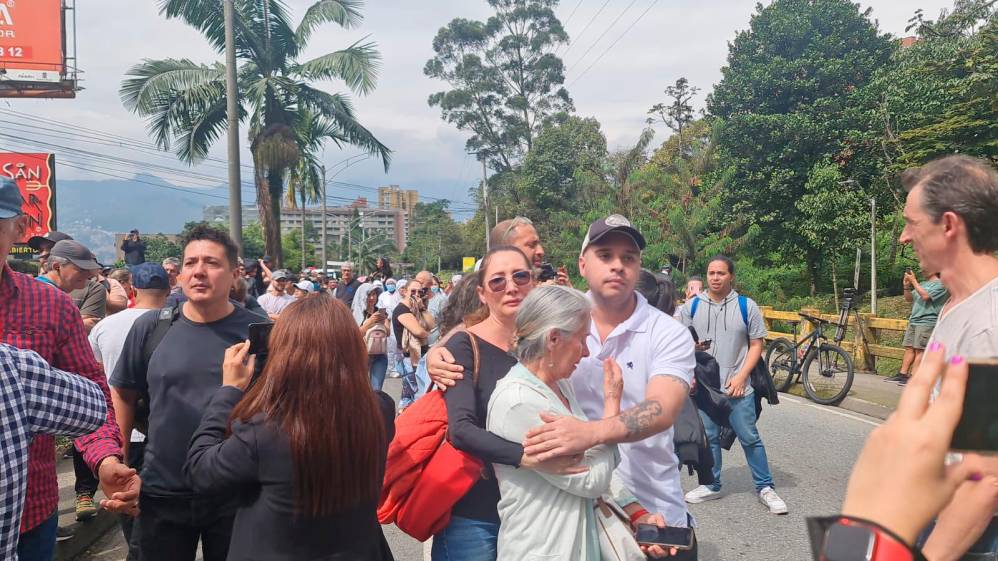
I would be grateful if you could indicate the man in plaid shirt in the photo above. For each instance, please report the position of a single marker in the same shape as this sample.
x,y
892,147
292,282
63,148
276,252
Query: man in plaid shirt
x,y
36,399
43,319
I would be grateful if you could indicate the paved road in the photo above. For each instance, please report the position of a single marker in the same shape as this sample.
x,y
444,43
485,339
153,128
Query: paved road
x,y
811,449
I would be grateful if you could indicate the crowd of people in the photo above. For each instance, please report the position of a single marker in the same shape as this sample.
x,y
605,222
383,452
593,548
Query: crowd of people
x,y
571,408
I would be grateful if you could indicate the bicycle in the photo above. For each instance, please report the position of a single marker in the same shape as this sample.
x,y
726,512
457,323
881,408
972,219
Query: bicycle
x,y
829,381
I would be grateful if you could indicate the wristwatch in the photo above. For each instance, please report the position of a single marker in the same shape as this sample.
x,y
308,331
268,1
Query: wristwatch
x,y
851,539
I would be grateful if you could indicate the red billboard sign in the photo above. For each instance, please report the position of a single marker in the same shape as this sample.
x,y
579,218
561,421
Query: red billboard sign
x,y
31,40
35,177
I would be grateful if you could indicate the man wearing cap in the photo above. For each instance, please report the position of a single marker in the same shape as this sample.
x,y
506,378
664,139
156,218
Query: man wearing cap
x,y
134,248
44,243
655,353
276,298
70,267
303,288
36,317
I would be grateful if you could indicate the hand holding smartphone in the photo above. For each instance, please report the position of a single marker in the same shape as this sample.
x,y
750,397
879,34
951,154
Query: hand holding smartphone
x,y
670,536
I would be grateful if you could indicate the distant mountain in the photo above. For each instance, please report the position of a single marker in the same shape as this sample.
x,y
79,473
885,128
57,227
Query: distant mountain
x,y
93,211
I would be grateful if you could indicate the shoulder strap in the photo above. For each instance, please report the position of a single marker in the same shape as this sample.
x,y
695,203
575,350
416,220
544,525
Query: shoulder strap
x,y
166,318
475,359
743,308
693,306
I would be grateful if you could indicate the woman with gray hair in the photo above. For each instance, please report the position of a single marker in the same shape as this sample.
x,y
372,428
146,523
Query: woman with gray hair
x,y
544,515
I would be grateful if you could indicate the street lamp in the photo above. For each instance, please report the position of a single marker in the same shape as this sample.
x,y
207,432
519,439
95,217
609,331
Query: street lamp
x,y
873,249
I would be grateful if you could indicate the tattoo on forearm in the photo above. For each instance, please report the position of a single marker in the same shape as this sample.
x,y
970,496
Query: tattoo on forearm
x,y
640,417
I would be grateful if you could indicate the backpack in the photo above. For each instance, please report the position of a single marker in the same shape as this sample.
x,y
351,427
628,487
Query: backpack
x,y
166,318
376,339
761,381
424,474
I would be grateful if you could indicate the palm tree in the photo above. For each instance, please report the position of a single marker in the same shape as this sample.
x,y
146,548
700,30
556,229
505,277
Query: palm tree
x,y
184,102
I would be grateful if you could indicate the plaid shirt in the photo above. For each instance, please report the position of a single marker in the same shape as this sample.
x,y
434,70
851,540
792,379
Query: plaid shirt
x,y
36,399
41,318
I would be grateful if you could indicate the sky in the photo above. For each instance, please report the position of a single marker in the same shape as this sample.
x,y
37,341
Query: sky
x,y
614,73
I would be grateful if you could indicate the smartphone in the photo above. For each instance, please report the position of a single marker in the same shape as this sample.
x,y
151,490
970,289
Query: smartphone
x,y
706,343
259,335
978,427
679,538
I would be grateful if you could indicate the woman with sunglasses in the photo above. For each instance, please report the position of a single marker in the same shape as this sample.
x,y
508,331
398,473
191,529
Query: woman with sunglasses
x,y
505,280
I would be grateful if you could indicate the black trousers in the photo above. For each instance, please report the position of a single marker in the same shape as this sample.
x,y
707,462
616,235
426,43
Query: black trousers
x,y
130,525
172,527
86,483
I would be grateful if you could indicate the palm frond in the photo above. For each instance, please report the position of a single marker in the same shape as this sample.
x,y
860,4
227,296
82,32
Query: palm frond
x,y
357,65
338,109
345,13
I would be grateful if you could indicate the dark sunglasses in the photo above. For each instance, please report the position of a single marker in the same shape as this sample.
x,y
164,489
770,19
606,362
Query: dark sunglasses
x,y
520,278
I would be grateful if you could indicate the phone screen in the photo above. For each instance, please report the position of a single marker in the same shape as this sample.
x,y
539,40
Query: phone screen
x,y
680,538
259,335
978,427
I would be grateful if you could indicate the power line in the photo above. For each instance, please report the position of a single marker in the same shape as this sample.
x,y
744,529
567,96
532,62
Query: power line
x,y
612,45
583,32
571,15
598,39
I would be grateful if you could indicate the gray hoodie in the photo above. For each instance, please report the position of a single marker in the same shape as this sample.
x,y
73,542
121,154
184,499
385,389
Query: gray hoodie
x,y
722,324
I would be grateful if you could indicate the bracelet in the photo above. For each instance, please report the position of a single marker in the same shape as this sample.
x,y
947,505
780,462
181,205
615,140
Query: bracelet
x,y
638,514
847,538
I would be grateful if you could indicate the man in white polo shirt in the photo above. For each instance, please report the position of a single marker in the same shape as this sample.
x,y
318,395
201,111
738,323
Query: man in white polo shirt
x,y
655,353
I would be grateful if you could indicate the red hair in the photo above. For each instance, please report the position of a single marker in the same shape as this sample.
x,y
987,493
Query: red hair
x,y
316,390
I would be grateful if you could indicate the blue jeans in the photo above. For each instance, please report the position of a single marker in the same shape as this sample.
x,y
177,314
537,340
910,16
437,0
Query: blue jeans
x,y
410,386
38,543
465,539
378,369
742,421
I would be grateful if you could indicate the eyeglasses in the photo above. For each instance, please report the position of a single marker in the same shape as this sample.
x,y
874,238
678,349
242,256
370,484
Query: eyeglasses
x,y
520,278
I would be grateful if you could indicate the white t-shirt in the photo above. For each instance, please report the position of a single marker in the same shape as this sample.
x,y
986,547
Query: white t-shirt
x,y
107,339
647,344
970,328
274,304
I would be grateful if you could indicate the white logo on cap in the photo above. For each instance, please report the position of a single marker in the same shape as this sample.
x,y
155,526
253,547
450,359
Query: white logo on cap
x,y
616,221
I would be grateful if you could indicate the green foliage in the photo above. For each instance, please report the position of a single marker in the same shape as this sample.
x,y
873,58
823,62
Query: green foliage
x,y
785,104
678,113
185,104
505,80
435,238
159,247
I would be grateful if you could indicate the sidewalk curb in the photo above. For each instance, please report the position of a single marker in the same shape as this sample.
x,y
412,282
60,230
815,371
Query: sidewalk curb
x,y
864,407
85,535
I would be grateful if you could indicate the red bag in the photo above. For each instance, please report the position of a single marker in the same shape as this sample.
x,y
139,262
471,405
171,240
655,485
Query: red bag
x,y
424,474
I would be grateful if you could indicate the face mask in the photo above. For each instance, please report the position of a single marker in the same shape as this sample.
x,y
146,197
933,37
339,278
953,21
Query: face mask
x,y
436,290
391,289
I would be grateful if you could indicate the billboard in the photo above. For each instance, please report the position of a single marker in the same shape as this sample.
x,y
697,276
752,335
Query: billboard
x,y
35,177
31,41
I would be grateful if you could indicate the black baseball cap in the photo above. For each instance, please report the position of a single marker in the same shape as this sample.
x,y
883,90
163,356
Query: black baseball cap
x,y
10,199
52,238
610,224
76,253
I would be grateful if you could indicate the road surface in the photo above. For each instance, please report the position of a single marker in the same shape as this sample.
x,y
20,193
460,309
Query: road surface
x,y
811,450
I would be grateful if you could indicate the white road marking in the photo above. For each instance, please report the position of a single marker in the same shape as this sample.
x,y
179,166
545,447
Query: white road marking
x,y
799,401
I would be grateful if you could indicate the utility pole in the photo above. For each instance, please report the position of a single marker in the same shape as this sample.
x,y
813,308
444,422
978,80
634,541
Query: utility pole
x,y
440,248
485,202
873,256
232,114
855,273
323,218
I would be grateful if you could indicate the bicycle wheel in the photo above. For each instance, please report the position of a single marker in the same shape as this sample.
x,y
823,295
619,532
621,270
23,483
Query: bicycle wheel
x,y
782,360
827,380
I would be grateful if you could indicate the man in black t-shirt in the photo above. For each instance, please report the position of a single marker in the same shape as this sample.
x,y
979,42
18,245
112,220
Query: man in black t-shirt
x,y
347,286
180,377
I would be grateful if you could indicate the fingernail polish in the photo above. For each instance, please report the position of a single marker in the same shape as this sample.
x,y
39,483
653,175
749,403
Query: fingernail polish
x,y
976,476
935,346
956,360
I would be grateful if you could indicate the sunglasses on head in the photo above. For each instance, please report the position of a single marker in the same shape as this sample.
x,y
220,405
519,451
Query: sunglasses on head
x,y
520,278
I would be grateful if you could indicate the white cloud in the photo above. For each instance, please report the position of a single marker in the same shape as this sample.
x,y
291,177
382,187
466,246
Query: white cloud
x,y
676,38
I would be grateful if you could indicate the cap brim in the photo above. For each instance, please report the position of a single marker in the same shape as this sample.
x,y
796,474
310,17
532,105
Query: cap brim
x,y
5,213
35,242
86,265
636,237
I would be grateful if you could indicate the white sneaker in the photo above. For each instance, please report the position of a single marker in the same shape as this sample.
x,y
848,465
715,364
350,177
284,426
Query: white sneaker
x,y
394,374
773,501
701,494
